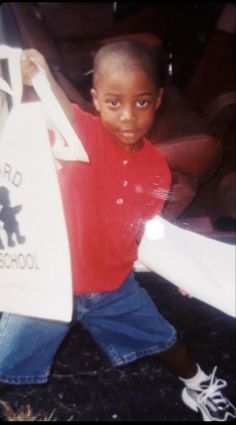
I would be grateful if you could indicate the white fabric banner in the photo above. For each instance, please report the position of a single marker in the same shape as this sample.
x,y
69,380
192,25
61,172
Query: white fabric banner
x,y
203,267
35,268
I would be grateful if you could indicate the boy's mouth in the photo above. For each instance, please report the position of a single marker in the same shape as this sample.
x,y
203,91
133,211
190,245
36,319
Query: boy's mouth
x,y
128,134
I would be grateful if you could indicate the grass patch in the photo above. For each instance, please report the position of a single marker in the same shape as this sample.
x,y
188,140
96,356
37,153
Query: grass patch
x,y
24,414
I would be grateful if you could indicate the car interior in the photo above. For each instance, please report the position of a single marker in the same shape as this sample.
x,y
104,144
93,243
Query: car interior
x,y
195,126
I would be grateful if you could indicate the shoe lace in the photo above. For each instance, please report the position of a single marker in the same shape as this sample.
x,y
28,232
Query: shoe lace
x,y
212,389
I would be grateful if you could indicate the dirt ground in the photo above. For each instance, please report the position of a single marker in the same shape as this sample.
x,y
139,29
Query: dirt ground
x,y
84,387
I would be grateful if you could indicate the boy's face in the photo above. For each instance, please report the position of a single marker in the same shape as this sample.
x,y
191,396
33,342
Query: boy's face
x,y
126,100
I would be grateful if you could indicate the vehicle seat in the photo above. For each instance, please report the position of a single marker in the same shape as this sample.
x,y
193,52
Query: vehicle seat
x,y
191,151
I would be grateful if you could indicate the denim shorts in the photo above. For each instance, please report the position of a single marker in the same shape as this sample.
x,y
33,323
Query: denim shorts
x,y
125,323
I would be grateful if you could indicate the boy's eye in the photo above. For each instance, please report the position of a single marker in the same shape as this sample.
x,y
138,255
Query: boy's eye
x,y
113,102
141,103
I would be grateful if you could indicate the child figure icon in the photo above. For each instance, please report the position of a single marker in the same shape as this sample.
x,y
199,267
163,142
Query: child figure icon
x,y
7,217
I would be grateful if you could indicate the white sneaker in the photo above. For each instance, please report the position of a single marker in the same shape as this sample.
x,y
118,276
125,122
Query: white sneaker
x,y
207,399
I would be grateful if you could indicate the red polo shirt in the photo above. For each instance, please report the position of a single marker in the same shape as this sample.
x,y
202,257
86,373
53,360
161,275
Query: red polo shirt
x,y
107,202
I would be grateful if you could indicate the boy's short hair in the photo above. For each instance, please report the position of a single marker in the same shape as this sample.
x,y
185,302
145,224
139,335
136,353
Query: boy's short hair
x,y
146,58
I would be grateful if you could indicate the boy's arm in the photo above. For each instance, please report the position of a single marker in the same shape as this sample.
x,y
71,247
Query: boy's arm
x,y
62,99
29,60
74,95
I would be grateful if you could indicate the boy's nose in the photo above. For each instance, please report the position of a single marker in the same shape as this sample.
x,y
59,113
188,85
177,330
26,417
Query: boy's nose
x,y
127,114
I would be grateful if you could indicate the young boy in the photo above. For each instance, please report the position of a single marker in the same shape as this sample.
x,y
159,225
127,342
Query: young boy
x,y
125,183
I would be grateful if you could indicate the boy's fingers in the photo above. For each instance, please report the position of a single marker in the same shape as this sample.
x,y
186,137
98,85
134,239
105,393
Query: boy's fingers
x,y
184,293
32,56
29,70
31,62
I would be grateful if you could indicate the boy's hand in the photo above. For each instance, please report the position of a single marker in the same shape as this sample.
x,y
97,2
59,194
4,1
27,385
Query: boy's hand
x,y
29,60
184,293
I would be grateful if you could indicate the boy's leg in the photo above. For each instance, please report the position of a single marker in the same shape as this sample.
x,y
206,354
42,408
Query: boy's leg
x,y
126,323
127,326
178,361
27,348
201,392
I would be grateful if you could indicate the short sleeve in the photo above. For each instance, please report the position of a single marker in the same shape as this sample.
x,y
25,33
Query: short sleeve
x,y
84,125
164,181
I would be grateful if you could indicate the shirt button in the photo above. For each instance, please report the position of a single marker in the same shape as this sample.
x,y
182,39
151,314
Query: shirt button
x,y
125,183
119,201
125,162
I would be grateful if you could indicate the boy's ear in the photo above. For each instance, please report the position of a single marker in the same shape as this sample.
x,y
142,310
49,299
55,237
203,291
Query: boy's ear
x,y
159,97
95,100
